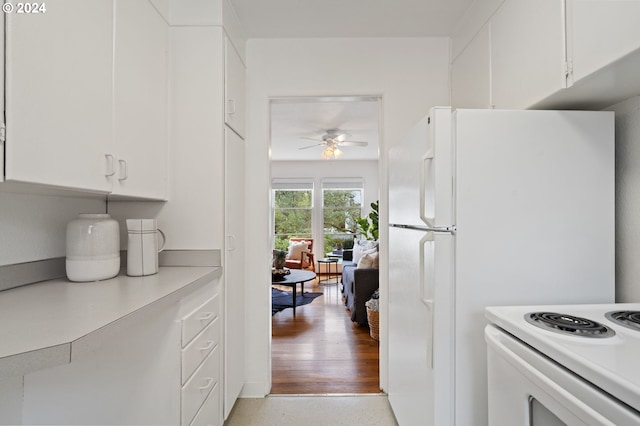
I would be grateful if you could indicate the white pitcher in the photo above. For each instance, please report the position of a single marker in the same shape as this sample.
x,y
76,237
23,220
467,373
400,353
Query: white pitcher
x,y
143,247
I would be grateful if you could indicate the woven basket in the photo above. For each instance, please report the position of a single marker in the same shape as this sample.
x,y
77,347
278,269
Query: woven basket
x,y
374,320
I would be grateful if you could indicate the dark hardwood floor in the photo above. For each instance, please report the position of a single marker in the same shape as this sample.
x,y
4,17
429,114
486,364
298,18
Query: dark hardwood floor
x,y
320,351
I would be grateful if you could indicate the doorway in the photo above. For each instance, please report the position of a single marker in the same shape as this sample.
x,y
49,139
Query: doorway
x,y
323,146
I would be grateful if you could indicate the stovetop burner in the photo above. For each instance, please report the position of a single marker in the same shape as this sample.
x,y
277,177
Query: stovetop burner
x,y
568,324
629,319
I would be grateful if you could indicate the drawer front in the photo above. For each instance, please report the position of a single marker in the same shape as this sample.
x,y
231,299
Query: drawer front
x,y
194,322
199,348
209,414
198,387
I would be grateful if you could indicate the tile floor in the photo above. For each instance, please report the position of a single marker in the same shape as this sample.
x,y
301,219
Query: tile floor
x,y
312,410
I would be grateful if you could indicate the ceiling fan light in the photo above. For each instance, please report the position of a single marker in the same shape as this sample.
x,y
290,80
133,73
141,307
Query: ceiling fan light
x,y
327,154
337,152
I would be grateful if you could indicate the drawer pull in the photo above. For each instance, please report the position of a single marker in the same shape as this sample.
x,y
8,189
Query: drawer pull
x,y
210,381
209,345
207,316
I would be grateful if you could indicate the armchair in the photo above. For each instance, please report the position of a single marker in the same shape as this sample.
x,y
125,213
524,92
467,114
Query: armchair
x,y
300,255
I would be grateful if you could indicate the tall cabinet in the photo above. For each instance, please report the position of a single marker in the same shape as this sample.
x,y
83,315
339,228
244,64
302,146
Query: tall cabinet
x,y
206,203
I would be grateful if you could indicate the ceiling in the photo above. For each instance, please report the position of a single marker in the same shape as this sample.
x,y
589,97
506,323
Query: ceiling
x,y
294,121
348,18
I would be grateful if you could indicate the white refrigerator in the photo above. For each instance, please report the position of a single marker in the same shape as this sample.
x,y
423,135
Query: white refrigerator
x,y
489,207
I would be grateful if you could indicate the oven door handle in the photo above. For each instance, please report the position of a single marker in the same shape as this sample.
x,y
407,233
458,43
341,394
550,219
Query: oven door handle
x,y
555,391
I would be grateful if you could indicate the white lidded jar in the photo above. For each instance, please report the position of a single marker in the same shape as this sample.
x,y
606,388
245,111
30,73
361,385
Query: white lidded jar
x,y
93,247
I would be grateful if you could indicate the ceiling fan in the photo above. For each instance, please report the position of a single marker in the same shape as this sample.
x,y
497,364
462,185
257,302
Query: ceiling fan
x,y
332,141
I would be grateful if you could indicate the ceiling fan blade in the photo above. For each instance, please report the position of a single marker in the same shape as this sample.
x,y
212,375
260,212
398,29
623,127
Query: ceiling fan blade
x,y
311,139
341,137
311,146
353,143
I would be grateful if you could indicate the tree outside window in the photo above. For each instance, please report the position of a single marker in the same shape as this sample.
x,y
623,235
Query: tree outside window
x,y
341,209
293,215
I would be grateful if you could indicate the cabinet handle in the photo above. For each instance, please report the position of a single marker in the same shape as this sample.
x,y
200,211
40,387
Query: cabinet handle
x,y
207,316
209,345
110,169
124,170
208,385
232,106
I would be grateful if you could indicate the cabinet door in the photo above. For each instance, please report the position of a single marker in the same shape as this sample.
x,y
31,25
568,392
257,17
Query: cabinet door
x,y
234,266
527,52
140,101
59,94
600,32
471,74
234,89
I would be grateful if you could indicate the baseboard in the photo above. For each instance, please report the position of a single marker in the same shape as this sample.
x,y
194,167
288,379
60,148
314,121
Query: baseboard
x,y
254,390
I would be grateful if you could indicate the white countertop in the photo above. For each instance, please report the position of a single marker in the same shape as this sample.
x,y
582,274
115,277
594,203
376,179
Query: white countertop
x,y
40,322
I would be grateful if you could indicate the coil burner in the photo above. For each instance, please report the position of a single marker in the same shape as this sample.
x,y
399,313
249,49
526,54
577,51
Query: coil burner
x,y
629,319
568,324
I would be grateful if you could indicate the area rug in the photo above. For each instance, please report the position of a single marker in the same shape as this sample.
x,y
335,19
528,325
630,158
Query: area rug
x,y
281,300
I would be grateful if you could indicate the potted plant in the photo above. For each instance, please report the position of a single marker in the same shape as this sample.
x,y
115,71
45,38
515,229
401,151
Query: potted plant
x,y
368,225
279,259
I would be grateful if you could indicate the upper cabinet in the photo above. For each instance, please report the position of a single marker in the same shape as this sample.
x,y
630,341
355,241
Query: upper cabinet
x,y
59,95
86,97
140,151
528,52
234,89
599,33
471,74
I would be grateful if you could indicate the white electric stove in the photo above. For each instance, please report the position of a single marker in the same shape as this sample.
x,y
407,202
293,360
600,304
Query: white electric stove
x,y
564,365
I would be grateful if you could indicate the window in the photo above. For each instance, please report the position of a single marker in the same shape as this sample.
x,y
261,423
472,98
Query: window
x,y
293,208
342,205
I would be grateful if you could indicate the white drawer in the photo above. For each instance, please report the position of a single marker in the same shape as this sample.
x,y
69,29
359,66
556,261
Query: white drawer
x,y
209,414
201,346
195,391
198,319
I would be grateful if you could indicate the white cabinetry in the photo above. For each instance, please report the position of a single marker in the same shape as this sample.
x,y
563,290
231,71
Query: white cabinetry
x,y
527,52
235,263
234,89
140,151
600,32
201,361
59,95
129,377
159,364
86,98
471,74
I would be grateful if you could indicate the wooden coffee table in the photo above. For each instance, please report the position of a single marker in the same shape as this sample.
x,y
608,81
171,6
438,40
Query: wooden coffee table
x,y
297,276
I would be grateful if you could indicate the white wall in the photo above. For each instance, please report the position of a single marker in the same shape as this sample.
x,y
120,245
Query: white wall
x,y
627,199
319,170
33,227
410,74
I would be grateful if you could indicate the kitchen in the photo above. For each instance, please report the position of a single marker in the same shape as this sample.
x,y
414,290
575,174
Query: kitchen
x,y
411,74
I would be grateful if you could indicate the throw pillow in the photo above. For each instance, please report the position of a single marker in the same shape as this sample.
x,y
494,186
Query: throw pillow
x,y
365,262
363,247
369,260
296,249
376,260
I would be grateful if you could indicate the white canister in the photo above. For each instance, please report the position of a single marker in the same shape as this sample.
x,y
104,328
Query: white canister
x,y
93,248
143,247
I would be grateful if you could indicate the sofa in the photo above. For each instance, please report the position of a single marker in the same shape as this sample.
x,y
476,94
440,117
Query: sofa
x,y
358,284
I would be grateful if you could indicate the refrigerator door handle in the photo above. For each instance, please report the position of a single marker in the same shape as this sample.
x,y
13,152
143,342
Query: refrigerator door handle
x,y
426,293
426,159
448,229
